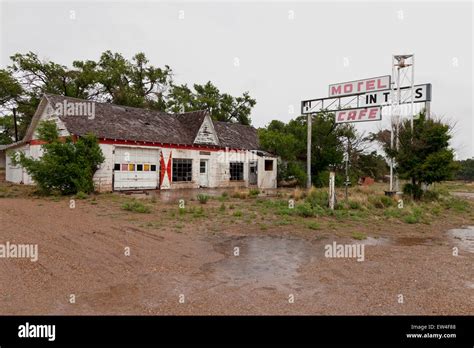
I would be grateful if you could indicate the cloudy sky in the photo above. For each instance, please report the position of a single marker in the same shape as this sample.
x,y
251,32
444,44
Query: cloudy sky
x,y
280,51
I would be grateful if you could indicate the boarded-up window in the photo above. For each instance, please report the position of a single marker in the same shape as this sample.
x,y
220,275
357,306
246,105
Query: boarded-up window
x,y
124,167
182,169
268,165
236,171
146,167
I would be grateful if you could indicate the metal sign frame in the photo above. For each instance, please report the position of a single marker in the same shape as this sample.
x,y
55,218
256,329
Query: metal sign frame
x,y
354,101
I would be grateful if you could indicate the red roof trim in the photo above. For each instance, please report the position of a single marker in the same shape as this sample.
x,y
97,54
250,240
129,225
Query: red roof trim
x,y
168,146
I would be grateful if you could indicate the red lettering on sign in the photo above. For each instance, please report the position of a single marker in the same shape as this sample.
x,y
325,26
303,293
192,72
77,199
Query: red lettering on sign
x,y
362,113
352,115
370,85
335,90
373,113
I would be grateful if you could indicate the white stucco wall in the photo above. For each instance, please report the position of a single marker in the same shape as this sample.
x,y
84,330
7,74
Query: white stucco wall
x,y
103,175
16,173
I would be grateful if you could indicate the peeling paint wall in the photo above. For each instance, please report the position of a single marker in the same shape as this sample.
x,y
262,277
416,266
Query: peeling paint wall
x,y
206,134
16,173
103,176
266,178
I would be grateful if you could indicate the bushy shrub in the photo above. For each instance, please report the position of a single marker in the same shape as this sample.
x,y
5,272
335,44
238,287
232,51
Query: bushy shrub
x,y
202,198
66,166
430,196
354,205
317,198
305,210
412,190
254,192
381,202
81,195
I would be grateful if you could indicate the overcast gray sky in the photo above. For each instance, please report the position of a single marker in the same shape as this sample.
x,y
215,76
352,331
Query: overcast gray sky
x,y
281,52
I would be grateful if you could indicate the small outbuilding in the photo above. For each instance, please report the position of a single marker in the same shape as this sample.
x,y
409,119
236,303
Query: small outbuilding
x,y
147,149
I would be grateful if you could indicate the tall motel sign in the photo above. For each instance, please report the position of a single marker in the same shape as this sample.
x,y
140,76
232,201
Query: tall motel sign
x,y
363,101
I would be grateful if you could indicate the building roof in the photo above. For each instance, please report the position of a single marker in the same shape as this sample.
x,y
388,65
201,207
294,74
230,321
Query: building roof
x,y
119,122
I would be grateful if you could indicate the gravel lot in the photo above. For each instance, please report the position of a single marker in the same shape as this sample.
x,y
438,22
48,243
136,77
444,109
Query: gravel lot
x,y
279,270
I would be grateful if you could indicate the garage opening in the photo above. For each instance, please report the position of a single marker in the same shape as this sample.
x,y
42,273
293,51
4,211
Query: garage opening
x,y
136,168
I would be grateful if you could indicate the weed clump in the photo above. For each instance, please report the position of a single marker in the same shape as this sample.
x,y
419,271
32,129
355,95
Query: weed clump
x,y
136,207
202,198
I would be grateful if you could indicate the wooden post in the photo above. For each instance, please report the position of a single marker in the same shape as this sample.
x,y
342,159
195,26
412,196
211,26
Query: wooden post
x,y
308,154
332,192
14,123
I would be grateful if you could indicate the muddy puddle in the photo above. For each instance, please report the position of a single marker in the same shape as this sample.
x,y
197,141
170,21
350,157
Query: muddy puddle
x,y
374,241
261,262
463,237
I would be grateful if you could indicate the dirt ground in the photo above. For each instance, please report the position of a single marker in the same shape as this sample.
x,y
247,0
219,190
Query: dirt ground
x,y
189,265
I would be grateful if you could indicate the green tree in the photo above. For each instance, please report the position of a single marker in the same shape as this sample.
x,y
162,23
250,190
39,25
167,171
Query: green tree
x,y
66,166
10,91
113,79
289,142
132,83
370,164
466,170
221,106
424,155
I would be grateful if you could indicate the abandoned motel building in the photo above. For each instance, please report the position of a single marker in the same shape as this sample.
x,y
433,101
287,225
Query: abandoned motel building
x,y
147,150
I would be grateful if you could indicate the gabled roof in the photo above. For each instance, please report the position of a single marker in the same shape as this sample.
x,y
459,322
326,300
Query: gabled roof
x,y
119,122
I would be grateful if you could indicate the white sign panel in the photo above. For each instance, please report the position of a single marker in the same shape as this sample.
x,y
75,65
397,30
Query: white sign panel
x,y
360,86
359,115
422,93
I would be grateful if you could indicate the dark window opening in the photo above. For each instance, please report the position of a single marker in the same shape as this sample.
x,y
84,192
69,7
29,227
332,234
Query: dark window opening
x,y
153,167
117,166
202,167
182,169
139,167
236,171
268,165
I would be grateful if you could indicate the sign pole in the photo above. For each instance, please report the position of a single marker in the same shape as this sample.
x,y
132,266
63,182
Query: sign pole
x,y
397,120
332,192
308,161
412,91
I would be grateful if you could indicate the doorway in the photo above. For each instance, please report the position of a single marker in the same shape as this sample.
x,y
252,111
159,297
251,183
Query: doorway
x,y
204,173
253,173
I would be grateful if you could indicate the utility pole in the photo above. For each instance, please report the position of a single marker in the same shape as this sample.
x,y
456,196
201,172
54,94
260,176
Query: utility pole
x,y
347,182
403,74
15,125
308,154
